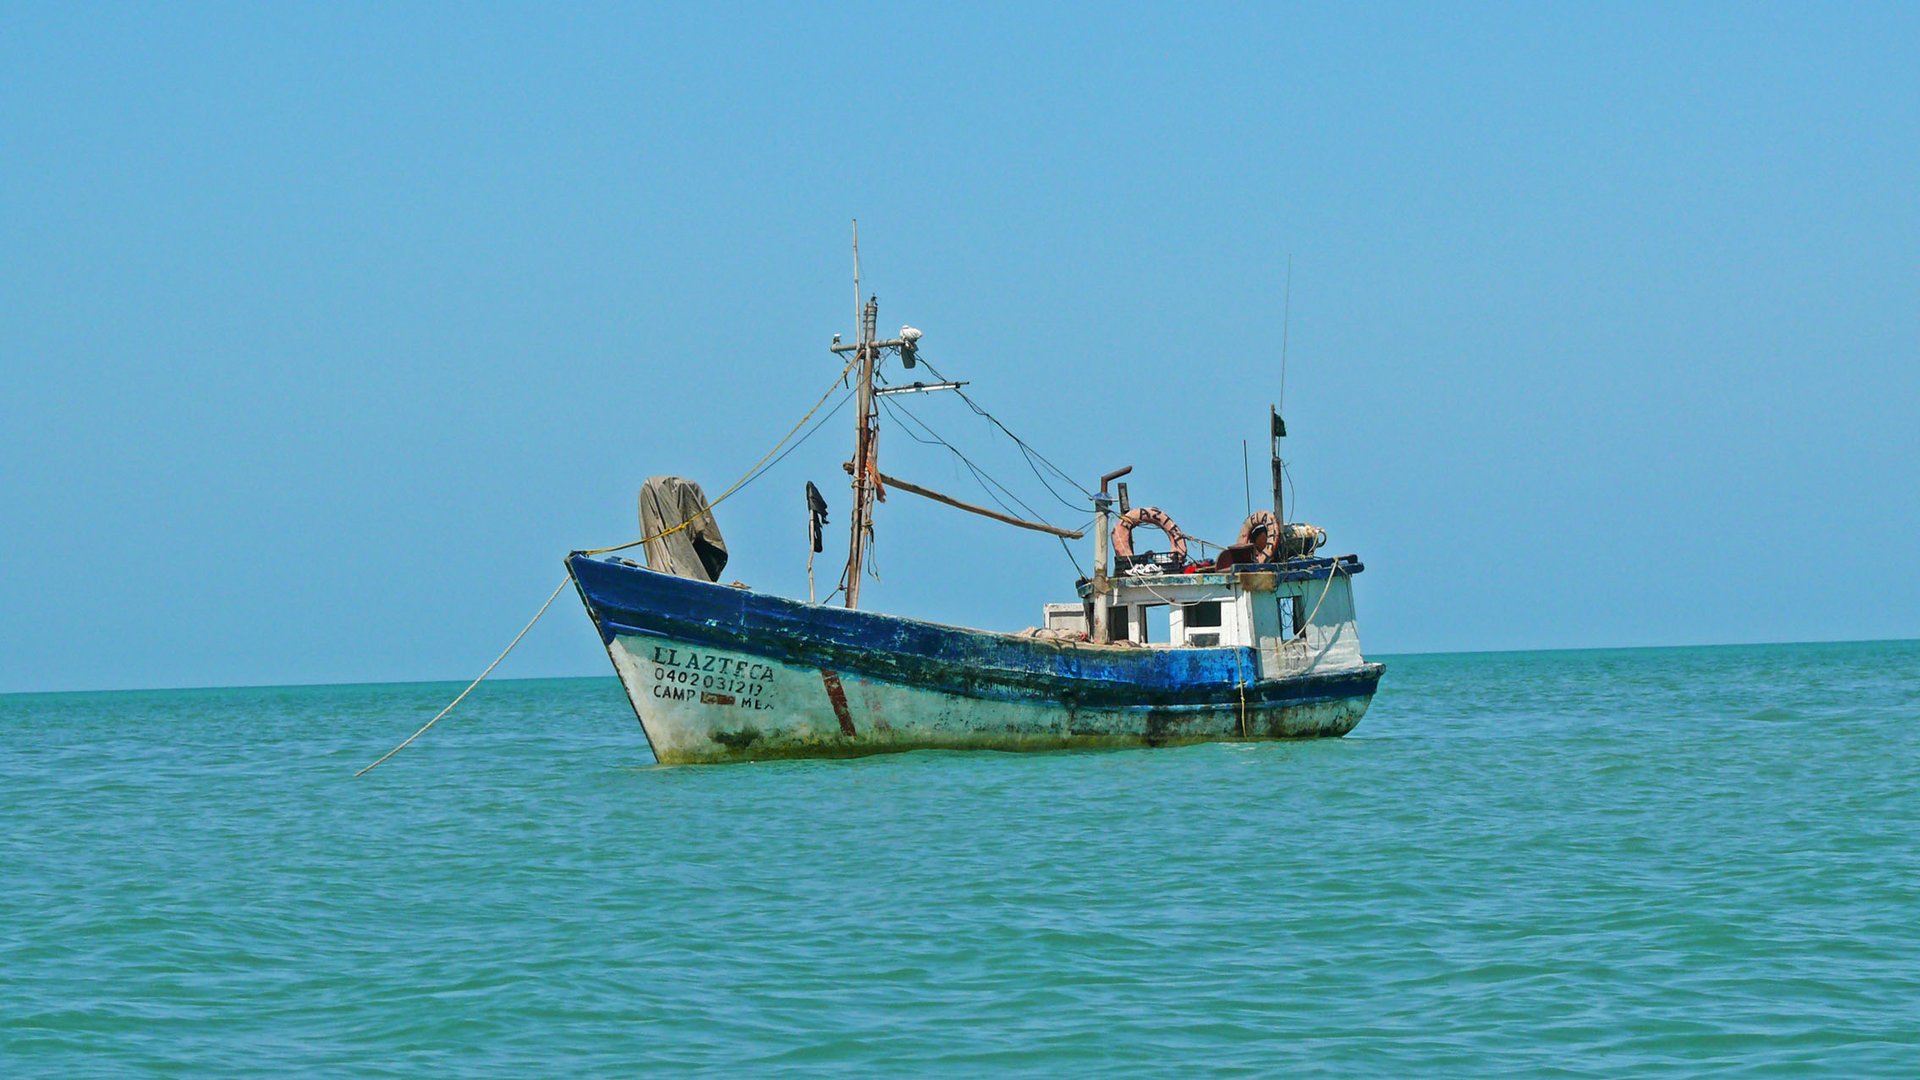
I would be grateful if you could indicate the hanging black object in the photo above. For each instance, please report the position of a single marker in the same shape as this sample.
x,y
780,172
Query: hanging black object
x,y
816,514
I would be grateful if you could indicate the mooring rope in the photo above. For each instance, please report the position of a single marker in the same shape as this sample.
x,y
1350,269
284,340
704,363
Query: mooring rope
x,y
463,694
745,478
1240,684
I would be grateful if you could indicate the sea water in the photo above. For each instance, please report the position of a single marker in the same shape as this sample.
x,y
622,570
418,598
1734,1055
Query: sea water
x,y
1585,863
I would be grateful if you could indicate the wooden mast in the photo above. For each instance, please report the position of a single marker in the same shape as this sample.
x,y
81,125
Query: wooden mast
x,y
866,431
863,438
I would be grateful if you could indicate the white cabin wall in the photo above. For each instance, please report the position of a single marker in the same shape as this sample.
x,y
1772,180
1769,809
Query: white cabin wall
x,y
1271,628
1333,637
1262,619
1330,643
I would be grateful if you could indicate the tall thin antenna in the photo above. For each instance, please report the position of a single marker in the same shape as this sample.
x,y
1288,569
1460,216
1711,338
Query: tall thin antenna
x,y
1286,321
856,296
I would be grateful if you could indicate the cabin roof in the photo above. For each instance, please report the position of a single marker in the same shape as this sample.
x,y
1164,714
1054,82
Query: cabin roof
x,y
1291,570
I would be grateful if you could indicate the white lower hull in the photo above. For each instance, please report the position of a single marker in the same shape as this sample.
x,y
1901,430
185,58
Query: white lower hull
x,y
704,704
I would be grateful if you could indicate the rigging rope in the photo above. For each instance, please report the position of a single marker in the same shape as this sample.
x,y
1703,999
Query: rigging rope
x,y
981,476
986,481
1026,450
768,461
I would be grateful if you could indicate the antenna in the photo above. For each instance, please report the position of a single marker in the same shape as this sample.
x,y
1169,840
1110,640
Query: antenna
x,y
1279,426
1286,319
856,299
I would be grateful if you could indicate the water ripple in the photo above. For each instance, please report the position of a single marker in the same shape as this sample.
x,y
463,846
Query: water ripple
x,y
1573,863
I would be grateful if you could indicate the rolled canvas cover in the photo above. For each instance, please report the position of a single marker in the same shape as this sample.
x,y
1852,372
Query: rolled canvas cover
x,y
696,551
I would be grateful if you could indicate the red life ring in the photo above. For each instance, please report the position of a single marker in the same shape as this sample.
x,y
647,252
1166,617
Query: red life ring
x,y
1146,515
1260,521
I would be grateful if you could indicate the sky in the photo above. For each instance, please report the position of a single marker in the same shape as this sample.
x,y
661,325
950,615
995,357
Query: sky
x,y
326,331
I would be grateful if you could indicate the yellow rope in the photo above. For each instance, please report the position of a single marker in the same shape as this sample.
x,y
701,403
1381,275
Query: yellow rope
x,y
1240,684
748,475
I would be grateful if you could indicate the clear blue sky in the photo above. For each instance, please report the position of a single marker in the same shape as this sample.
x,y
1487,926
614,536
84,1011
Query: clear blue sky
x,y
326,330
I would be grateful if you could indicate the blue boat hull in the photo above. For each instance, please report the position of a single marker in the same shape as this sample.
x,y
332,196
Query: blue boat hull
x,y
725,674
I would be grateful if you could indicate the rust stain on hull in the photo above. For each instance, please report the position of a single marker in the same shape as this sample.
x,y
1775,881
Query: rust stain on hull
x,y
837,694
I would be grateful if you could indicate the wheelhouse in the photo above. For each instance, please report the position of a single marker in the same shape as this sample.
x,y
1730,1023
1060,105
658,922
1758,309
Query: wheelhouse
x,y
1297,616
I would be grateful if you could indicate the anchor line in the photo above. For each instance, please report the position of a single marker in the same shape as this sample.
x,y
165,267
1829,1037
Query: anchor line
x,y
463,694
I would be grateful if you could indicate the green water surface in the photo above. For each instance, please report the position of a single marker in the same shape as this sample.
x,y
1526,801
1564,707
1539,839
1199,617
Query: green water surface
x,y
1599,863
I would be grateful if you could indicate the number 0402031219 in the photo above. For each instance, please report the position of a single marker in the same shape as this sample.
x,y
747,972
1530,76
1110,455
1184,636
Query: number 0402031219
x,y
724,684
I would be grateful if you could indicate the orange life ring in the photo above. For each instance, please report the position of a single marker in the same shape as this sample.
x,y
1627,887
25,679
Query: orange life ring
x,y
1260,521
1146,515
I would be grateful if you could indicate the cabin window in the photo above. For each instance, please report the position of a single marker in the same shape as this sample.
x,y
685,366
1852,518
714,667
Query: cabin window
x,y
1294,610
1159,623
1117,628
1202,614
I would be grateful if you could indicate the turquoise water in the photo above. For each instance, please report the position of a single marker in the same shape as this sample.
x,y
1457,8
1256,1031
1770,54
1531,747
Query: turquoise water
x,y
1605,863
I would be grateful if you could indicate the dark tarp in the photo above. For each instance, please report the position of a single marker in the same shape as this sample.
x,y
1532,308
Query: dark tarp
x,y
696,551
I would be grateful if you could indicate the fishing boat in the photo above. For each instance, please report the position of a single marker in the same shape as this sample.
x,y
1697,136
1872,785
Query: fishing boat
x,y
1261,638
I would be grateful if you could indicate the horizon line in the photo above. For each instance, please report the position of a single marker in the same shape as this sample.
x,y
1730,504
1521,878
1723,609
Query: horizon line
x,y
610,675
